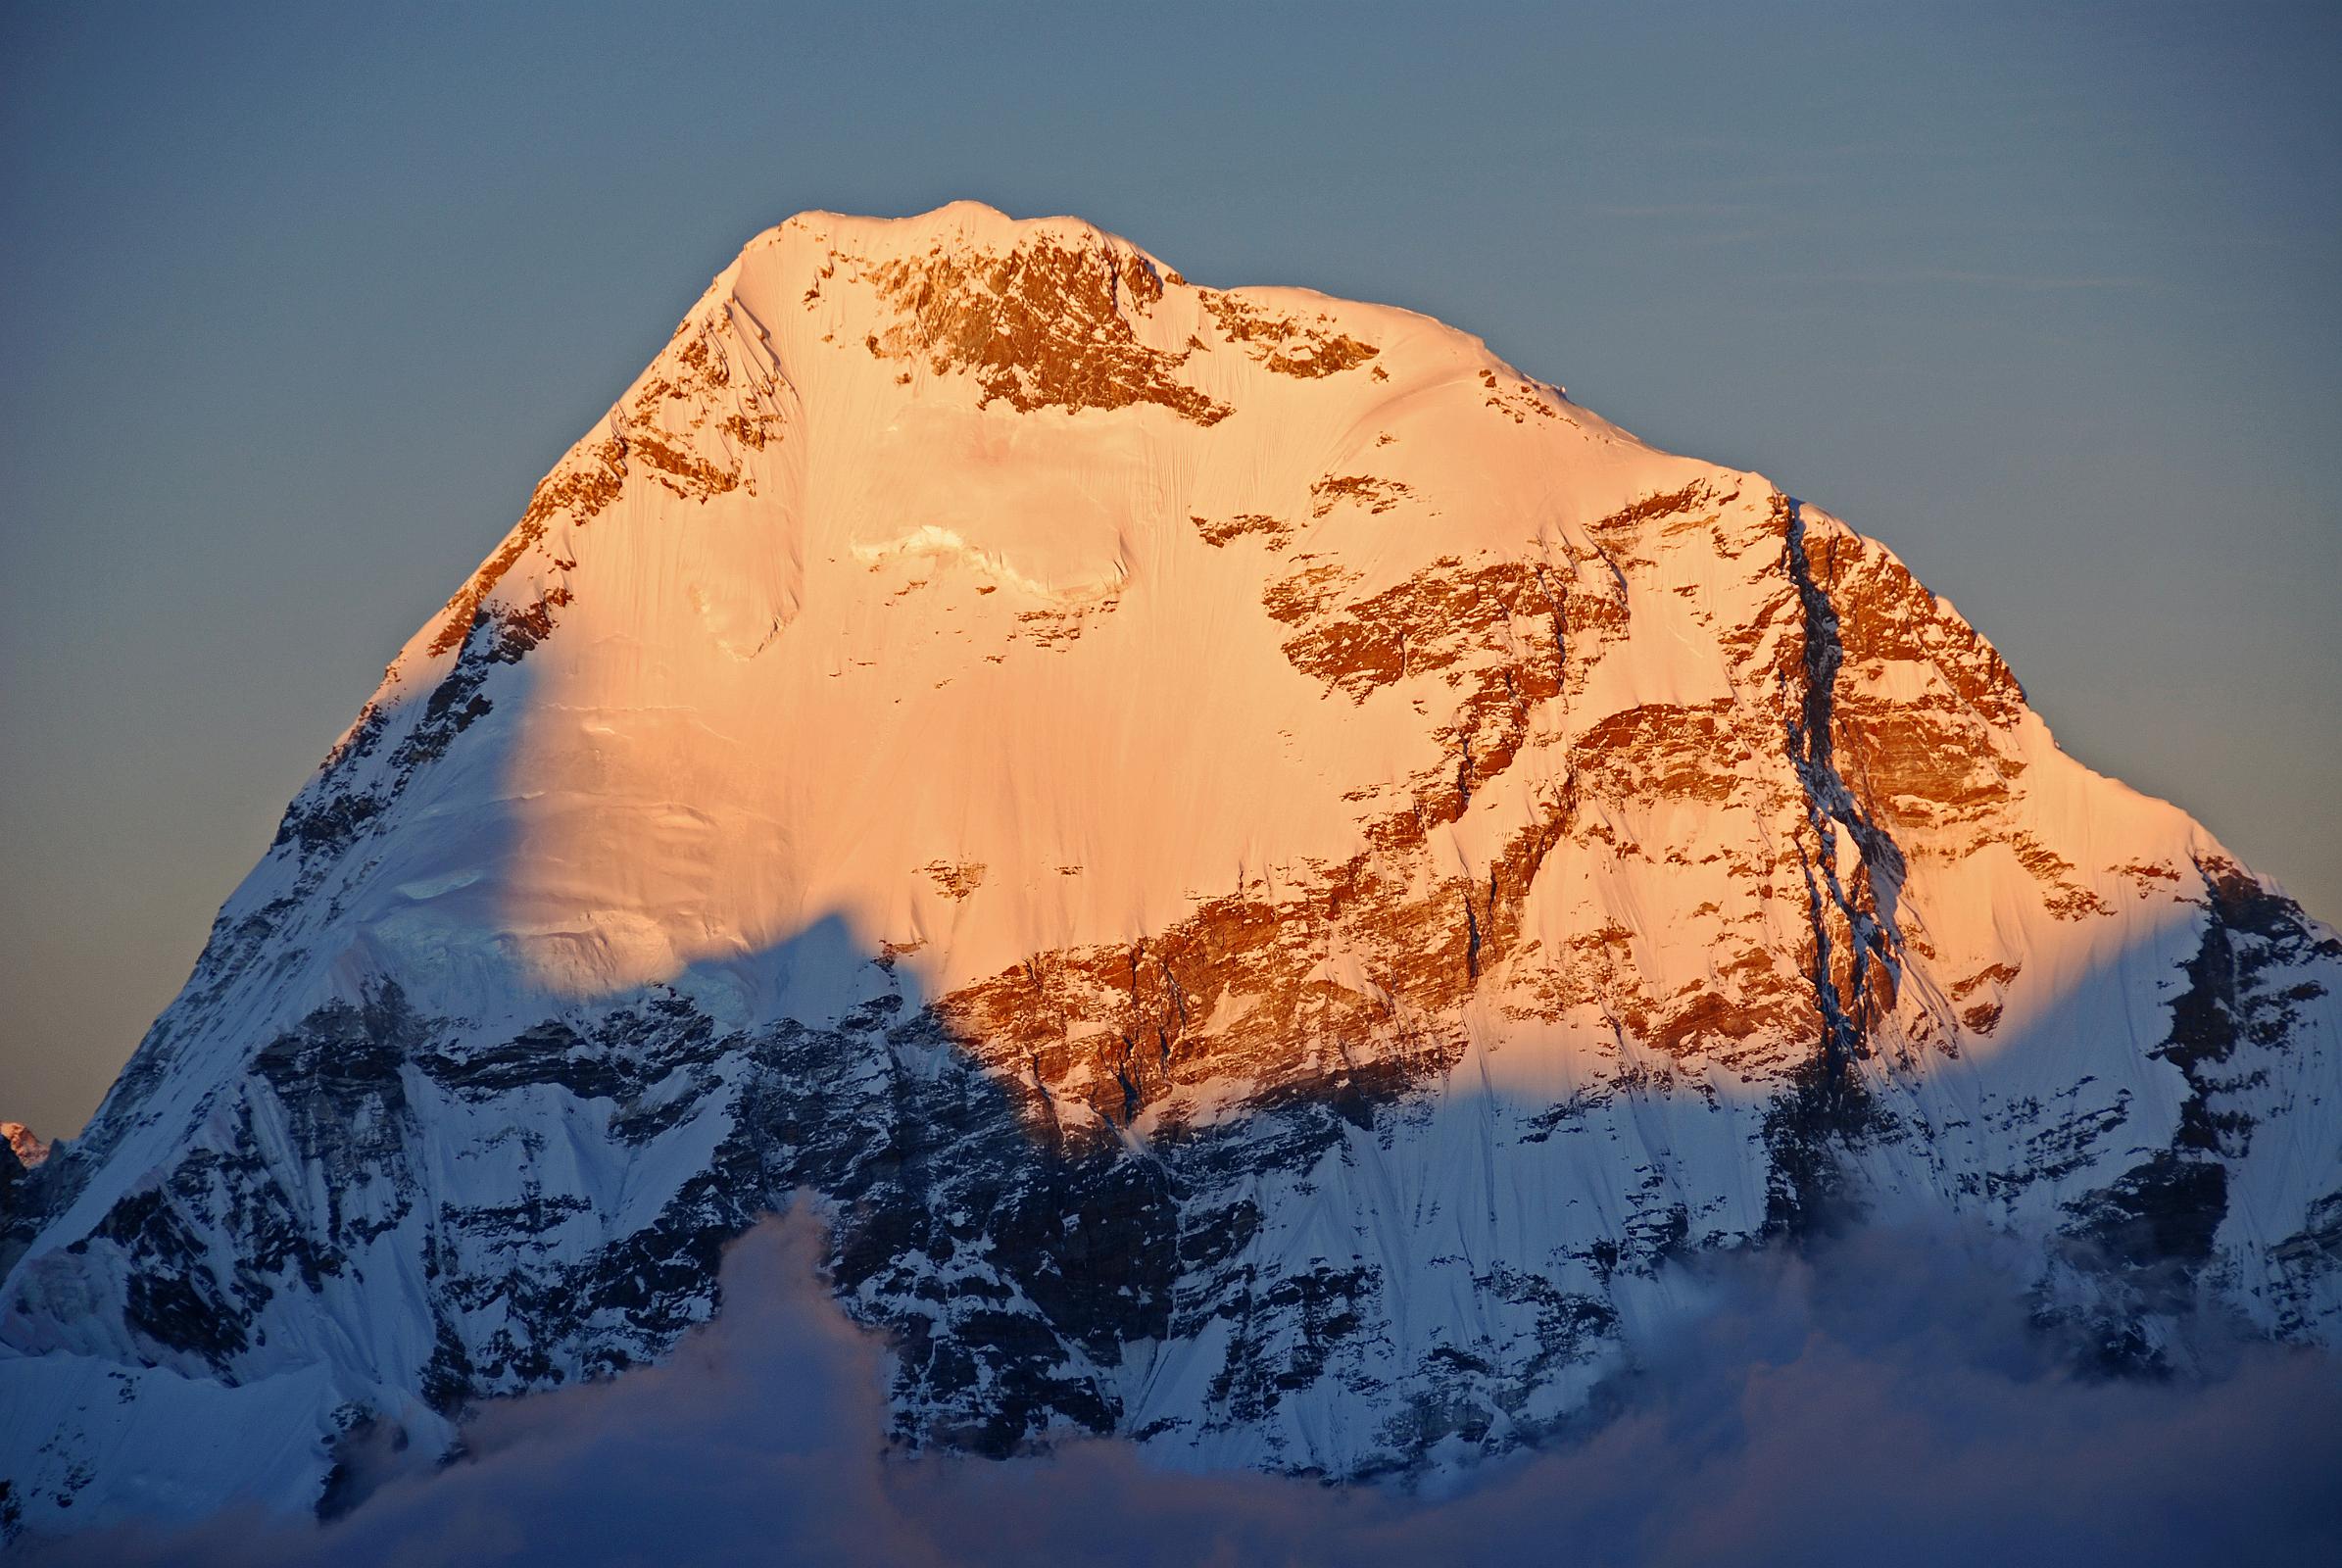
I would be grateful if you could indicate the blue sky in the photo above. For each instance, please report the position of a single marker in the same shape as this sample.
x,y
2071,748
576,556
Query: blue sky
x,y
296,305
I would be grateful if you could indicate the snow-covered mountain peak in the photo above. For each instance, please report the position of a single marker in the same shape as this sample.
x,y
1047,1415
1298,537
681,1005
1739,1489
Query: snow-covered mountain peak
x,y
973,461
1269,868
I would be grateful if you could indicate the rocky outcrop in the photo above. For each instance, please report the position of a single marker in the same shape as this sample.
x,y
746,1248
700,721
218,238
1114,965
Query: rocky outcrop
x,y
23,1141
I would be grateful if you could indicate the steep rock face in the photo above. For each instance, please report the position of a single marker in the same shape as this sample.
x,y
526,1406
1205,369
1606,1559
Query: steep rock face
x,y
1265,870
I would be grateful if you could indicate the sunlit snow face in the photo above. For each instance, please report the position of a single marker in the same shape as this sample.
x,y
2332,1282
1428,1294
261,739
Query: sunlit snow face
x,y
1041,503
1149,607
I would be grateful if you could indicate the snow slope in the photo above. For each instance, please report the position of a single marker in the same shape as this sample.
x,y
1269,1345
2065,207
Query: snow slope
x,y
1266,867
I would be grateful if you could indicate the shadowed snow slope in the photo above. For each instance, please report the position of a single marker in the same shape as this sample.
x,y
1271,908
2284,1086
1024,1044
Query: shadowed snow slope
x,y
760,1438
1268,870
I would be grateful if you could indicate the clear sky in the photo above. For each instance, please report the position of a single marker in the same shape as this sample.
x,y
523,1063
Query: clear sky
x,y
297,305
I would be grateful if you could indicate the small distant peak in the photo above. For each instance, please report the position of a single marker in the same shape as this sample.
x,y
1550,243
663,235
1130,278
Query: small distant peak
x,y
30,1149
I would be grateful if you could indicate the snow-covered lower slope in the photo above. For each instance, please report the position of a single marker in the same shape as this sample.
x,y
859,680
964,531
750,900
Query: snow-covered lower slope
x,y
1266,868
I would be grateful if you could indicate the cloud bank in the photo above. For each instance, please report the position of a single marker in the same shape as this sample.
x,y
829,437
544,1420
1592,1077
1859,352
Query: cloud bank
x,y
1883,1400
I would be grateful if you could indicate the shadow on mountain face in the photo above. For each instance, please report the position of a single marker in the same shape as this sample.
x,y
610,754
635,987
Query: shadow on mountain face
x,y
1012,1258
1009,1259
1882,1396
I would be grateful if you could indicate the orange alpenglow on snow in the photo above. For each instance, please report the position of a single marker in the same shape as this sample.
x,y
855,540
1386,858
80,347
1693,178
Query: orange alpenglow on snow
x,y
1267,867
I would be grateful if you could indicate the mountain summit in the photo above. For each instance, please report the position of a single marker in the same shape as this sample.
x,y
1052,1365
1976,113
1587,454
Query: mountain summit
x,y
1267,869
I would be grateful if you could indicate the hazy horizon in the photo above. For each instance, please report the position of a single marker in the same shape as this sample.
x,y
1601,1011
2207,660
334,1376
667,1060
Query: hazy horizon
x,y
299,306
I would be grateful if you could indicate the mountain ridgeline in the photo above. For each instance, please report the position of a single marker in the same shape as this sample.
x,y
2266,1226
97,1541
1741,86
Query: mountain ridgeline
x,y
1265,871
